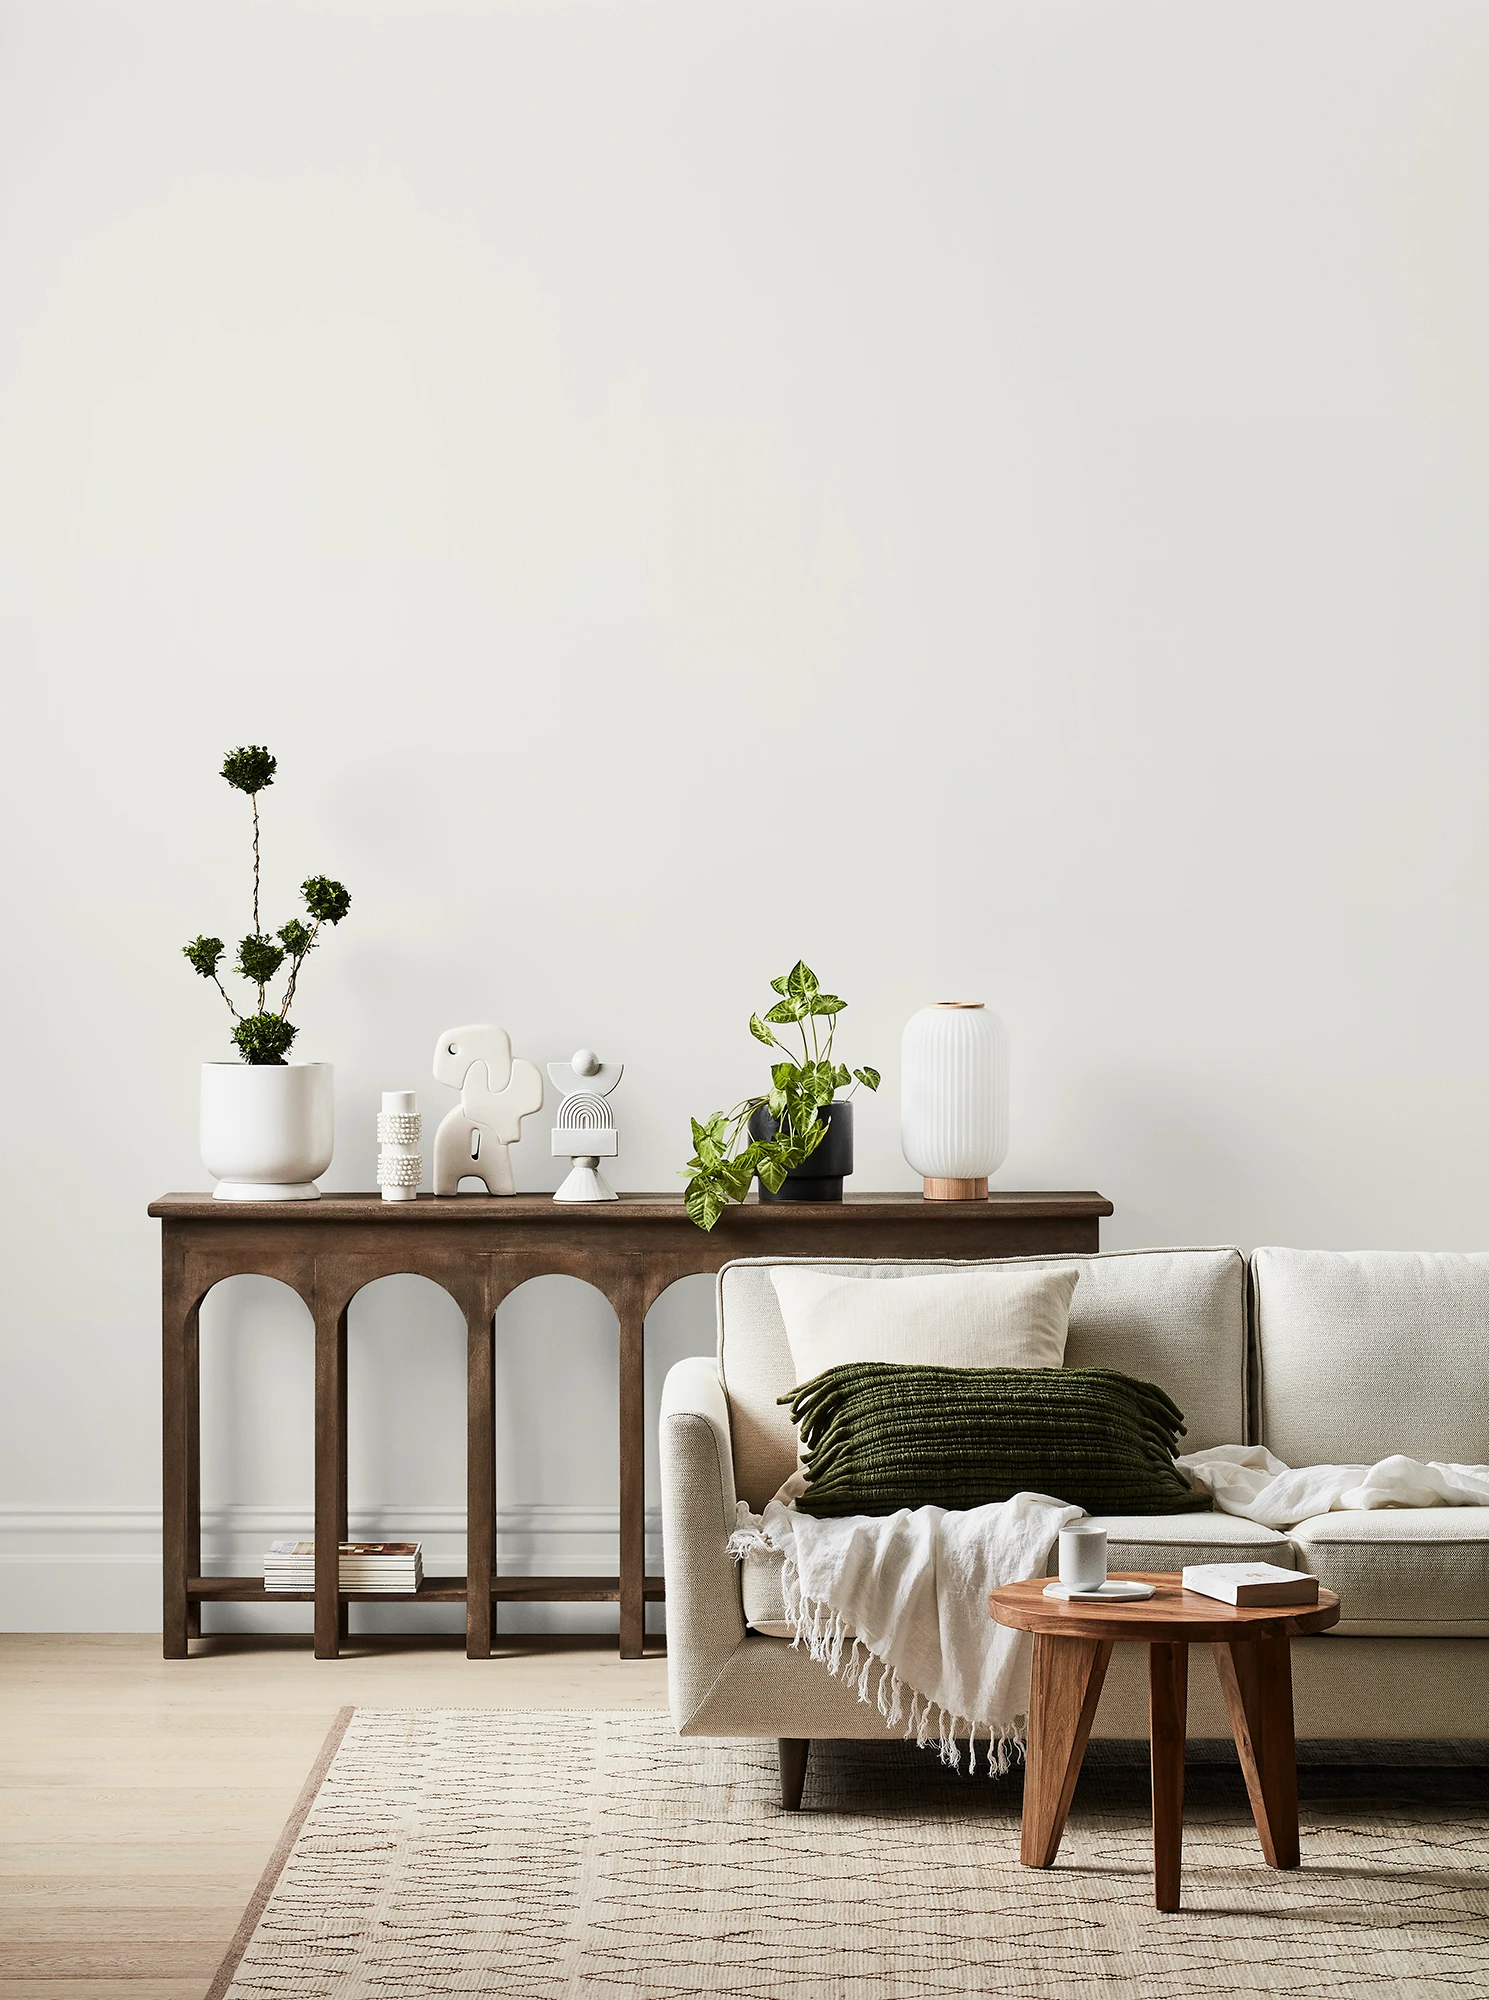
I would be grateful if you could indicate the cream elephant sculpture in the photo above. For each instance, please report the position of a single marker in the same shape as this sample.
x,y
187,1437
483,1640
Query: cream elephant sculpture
x,y
497,1091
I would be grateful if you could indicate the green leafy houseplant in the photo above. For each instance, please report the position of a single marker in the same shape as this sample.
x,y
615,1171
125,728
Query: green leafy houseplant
x,y
265,1036
725,1159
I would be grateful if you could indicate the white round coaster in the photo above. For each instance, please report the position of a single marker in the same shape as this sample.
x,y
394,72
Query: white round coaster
x,y
1113,1591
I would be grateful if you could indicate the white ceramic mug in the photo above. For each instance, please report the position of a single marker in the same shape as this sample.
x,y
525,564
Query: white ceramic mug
x,y
1083,1557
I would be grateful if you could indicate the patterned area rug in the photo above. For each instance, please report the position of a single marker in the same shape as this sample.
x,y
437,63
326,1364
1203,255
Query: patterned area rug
x,y
538,1855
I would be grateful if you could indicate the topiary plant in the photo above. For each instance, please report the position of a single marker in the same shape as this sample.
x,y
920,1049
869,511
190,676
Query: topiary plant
x,y
798,1092
264,1036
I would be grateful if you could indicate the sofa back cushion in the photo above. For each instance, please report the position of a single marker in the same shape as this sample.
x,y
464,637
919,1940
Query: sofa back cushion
x,y
1174,1317
1367,1352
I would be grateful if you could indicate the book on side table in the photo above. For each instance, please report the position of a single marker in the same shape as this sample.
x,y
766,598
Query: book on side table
x,y
1251,1583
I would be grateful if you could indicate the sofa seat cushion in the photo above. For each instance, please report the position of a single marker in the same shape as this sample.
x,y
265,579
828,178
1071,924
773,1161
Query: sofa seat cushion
x,y
761,1593
1402,1571
1133,1541
1172,1541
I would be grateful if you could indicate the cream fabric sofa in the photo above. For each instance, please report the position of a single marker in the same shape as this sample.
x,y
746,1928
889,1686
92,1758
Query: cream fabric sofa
x,y
1323,1356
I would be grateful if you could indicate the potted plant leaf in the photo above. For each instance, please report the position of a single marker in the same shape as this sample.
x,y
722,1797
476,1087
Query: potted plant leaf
x,y
796,1139
267,1122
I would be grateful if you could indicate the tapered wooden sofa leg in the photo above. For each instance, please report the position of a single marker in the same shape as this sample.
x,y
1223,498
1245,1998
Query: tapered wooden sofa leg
x,y
793,1771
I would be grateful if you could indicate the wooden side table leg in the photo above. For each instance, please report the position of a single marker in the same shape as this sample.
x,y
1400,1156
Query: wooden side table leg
x,y
330,1479
480,1478
180,1468
1168,1721
1256,1678
1064,1689
630,1309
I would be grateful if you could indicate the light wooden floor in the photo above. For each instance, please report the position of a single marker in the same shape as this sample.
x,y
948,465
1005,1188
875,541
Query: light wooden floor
x,y
140,1798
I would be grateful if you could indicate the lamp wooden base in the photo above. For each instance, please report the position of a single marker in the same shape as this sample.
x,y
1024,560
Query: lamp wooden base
x,y
936,1190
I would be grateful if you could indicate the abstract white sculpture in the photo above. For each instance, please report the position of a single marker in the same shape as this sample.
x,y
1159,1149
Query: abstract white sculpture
x,y
586,1128
954,1098
399,1164
496,1094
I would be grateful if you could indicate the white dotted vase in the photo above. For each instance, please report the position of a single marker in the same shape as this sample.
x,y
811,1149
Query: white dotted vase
x,y
954,1098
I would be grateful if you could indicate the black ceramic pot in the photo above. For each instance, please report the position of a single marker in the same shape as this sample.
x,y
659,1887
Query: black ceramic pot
x,y
821,1175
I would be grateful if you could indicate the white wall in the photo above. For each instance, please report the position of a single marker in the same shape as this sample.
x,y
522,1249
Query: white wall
x,y
988,496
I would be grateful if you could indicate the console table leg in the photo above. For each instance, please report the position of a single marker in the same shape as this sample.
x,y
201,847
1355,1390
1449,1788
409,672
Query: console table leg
x,y
1168,1716
480,1477
330,1481
343,1511
181,1475
630,1310
194,1473
1257,1681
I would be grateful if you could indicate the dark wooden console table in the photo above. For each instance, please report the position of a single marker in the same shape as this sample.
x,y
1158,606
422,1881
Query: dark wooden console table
x,y
480,1248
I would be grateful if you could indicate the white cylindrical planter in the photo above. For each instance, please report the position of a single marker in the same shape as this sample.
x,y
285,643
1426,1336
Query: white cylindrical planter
x,y
954,1098
267,1129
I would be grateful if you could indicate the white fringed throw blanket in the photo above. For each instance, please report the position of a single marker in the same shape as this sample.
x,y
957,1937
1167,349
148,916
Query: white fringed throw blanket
x,y
896,1604
1247,1479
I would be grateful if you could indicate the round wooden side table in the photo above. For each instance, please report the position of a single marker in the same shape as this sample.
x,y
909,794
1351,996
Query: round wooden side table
x,y
1072,1646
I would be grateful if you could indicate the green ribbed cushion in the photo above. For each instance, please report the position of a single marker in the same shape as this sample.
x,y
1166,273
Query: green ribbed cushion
x,y
877,1436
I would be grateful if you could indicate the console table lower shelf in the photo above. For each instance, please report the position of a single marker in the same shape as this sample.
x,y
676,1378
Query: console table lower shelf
x,y
433,1590
479,1249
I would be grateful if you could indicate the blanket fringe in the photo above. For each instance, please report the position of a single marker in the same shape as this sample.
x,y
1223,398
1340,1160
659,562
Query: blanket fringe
x,y
749,1537
827,1637
831,1643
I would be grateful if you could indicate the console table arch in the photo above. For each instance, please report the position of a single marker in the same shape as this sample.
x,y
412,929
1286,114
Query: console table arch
x,y
480,1250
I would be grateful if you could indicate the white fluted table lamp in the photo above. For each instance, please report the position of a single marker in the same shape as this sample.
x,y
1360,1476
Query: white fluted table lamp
x,y
954,1098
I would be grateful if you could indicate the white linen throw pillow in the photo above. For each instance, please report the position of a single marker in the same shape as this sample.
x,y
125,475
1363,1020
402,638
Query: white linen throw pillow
x,y
1006,1318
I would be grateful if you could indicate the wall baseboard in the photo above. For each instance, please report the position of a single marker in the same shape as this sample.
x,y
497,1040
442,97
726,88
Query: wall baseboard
x,y
97,1569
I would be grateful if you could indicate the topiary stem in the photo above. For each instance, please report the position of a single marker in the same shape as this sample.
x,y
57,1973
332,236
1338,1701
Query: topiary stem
x,y
254,799
289,991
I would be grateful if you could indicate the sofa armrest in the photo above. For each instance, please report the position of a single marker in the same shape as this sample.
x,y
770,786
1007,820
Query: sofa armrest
x,y
705,1622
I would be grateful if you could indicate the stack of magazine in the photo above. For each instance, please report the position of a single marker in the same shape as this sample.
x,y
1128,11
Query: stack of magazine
x,y
396,1567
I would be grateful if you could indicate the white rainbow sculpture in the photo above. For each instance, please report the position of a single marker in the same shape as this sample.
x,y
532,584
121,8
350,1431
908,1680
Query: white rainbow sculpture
x,y
585,1131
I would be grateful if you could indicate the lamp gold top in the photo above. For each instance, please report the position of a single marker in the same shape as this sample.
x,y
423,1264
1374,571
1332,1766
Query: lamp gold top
x,y
961,1003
